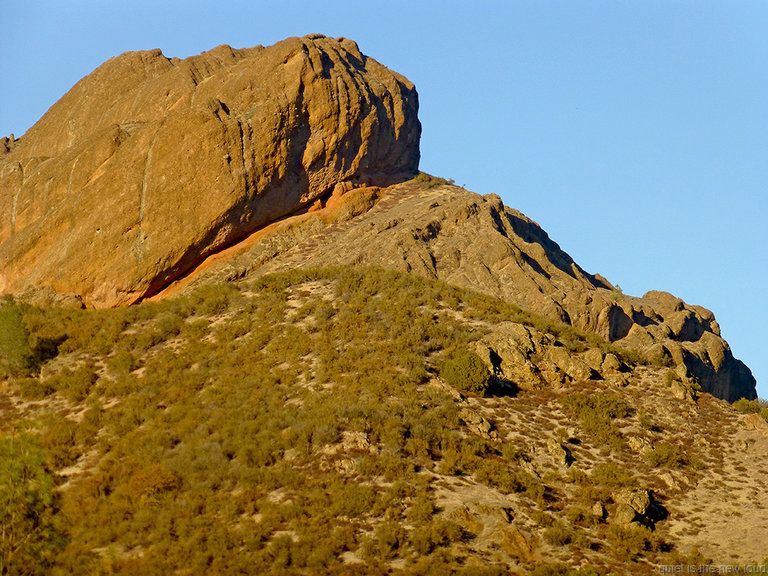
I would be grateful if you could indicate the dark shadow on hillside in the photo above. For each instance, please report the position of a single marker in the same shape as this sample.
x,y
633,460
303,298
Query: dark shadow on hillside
x,y
502,387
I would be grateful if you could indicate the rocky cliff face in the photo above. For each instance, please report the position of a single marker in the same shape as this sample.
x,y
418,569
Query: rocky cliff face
x,y
154,170
149,163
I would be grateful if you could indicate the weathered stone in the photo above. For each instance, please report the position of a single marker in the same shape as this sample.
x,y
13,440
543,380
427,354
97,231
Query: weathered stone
x,y
476,242
478,424
149,164
683,390
639,444
611,364
222,144
598,510
560,454
569,363
638,500
594,359
624,514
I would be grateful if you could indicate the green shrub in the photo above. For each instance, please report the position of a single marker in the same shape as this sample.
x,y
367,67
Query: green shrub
x,y
627,542
34,389
466,371
429,181
613,476
16,356
558,535
59,439
227,450
667,456
29,534
596,413
758,406
74,384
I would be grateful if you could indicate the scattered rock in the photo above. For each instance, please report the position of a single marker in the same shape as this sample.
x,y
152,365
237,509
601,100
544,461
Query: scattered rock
x,y
683,391
356,441
569,363
611,364
639,444
630,505
594,359
624,514
669,480
756,422
598,510
561,455
478,424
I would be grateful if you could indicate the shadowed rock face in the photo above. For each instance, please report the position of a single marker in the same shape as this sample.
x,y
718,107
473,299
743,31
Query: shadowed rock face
x,y
149,164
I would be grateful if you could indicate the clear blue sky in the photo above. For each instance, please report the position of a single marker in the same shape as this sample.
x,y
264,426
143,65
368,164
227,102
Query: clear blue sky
x,y
635,133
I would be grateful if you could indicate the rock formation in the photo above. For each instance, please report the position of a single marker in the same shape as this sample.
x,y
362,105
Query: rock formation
x,y
150,163
152,166
443,231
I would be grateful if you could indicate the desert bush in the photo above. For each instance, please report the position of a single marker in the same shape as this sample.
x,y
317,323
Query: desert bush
x,y
464,370
60,442
666,455
627,542
581,516
34,388
498,474
558,534
758,406
30,535
389,537
648,423
429,181
16,357
213,299
168,325
428,536
596,413
74,384
613,476
231,443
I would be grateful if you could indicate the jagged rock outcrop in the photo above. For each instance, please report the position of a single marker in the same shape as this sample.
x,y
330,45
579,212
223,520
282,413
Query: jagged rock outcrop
x,y
150,163
474,241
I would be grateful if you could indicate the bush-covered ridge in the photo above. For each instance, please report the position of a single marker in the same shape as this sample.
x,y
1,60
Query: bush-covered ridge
x,y
288,425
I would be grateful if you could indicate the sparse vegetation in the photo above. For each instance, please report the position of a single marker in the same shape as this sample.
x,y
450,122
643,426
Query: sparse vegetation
x,y
596,413
430,181
758,406
280,425
666,455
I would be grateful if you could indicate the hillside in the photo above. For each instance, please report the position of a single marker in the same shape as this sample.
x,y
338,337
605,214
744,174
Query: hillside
x,y
313,422
241,333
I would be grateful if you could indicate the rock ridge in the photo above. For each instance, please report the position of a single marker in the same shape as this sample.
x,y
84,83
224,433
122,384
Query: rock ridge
x,y
473,241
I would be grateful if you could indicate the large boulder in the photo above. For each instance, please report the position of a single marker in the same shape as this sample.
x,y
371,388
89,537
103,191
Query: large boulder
x,y
150,163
